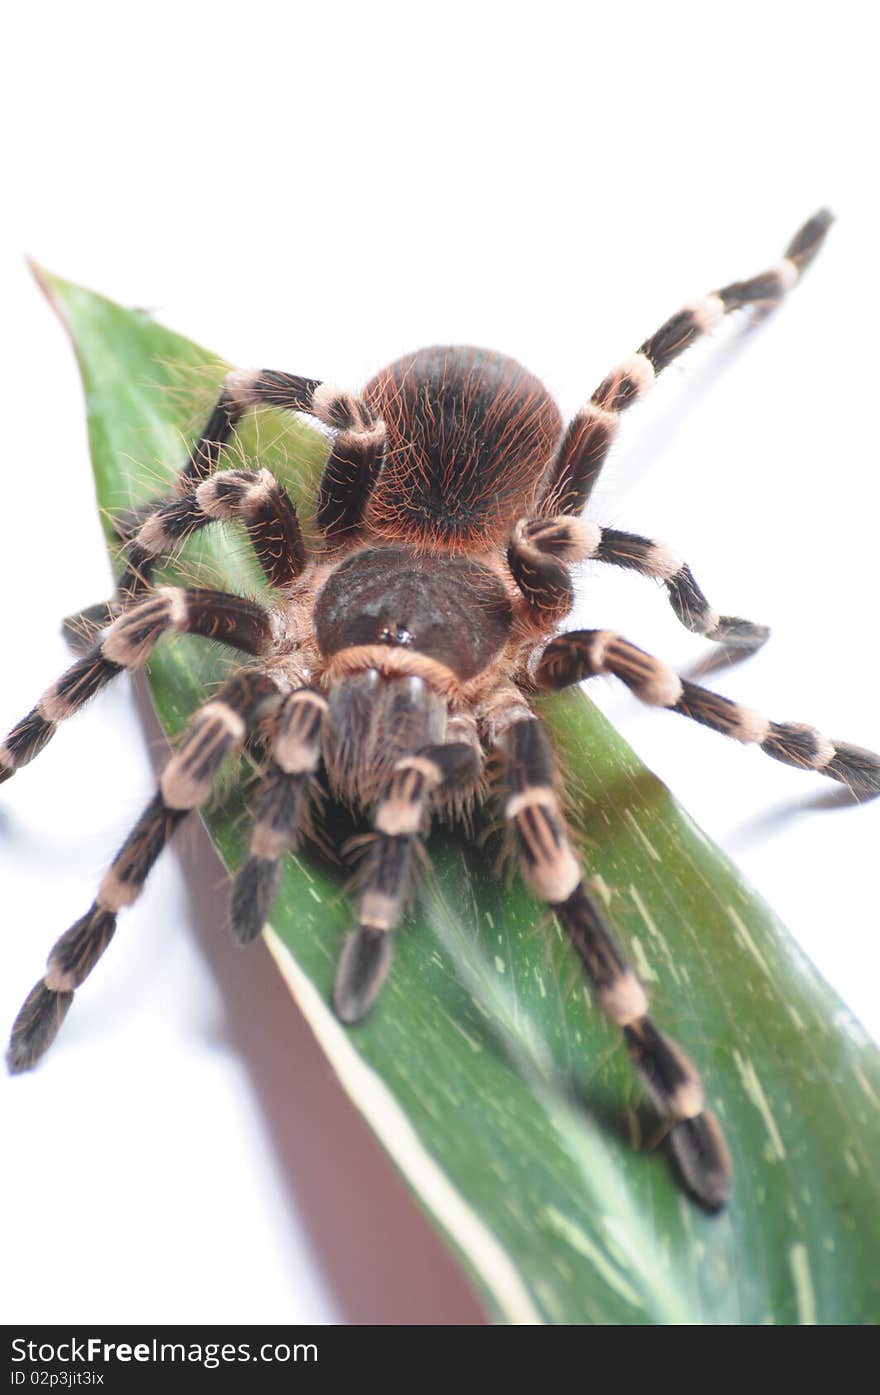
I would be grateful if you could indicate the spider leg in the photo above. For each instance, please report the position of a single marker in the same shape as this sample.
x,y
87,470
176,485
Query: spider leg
x,y
554,874
127,645
353,465
242,389
254,497
349,474
542,549
82,627
589,435
539,555
179,516
284,808
216,731
384,878
355,457
582,653
652,558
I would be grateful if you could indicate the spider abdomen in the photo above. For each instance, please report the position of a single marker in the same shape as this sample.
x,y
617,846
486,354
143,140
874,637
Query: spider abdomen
x,y
450,609
469,436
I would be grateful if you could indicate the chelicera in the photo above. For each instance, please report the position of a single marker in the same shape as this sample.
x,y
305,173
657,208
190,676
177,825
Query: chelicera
x,y
401,655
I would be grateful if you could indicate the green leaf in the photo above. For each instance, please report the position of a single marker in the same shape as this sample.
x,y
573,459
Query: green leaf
x,y
505,1100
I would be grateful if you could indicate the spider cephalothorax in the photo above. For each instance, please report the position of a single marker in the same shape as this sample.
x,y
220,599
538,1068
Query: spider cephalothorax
x,y
402,653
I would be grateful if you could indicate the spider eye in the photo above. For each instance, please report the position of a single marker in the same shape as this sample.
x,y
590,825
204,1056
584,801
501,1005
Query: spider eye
x,y
395,634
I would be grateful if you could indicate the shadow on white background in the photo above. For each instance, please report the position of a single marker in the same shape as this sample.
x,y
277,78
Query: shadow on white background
x,y
375,1250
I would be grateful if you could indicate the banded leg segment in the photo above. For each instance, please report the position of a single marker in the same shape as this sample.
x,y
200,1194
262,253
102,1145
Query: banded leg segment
x,y
349,474
353,465
589,436
217,730
384,877
242,389
583,653
179,513
542,550
358,443
553,873
283,814
350,470
539,556
253,496
127,645
655,559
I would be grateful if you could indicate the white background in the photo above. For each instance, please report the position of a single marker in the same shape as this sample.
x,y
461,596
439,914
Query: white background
x,y
320,192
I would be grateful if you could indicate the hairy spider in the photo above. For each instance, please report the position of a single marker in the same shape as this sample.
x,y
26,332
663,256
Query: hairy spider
x,y
403,653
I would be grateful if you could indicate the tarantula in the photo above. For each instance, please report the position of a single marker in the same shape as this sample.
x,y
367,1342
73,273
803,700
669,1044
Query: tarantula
x,y
404,652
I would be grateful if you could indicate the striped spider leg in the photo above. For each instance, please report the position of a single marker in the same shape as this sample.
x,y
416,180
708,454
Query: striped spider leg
x,y
541,550
590,434
581,654
587,440
218,730
200,496
554,874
